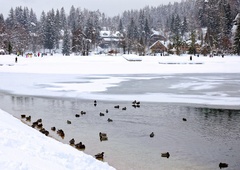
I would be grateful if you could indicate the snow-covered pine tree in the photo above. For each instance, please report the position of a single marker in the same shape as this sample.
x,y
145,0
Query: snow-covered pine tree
x,y
2,32
141,22
184,26
236,43
49,31
66,49
41,29
177,25
63,19
57,29
72,18
192,48
11,19
147,32
131,35
77,40
225,25
120,26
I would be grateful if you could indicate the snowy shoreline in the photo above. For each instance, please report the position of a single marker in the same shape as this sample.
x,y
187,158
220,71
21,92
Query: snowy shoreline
x,y
22,147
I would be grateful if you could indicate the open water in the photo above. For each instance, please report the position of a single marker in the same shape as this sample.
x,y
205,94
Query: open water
x,y
208,137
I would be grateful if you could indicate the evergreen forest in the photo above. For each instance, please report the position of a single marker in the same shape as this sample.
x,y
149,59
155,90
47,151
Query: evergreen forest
x,y
191,26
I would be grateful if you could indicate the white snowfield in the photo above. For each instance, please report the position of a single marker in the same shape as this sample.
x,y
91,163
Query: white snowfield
x,y
22,147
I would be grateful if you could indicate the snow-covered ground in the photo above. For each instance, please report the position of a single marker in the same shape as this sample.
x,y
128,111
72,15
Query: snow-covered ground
x,y
21,147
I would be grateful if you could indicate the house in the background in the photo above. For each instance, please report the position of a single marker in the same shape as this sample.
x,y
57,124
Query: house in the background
x,y
157,36
110,39
158,47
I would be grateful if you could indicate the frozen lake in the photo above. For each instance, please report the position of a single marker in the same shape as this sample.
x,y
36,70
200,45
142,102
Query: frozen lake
x,y
208,137
204,89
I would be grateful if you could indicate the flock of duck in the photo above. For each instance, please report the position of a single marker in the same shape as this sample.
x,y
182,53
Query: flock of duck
x,y
102,136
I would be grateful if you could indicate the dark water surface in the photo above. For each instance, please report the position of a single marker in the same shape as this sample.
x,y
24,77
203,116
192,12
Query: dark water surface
x,y
208,137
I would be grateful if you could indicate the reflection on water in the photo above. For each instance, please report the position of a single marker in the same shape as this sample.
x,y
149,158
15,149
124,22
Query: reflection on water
x,y
208,137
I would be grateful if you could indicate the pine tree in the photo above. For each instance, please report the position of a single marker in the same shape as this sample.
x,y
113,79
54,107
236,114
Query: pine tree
x,y
66,49
26,16
131,35
63,19
77,41
177,25
201,14
192,49
184,27
9,48
236,44
49,31
2,32
147,32
177,43
41,30
120,26
11,20
228,15
57,29
172,24
141,21
89,28
72,18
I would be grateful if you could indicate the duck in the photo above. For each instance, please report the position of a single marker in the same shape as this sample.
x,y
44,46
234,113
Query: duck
x,y
44,131
83,113
184,119
34,124
39,120
53,128
152,135
109,120
77,115
101,114
28,118
103,136
166,154
106,110
23,116
99,155
40,125
69,122
61,133
124,108
80,145
134,102
117,107
72,141
223,165
134,106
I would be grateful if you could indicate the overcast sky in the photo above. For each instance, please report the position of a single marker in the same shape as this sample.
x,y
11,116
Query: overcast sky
x,y
109,7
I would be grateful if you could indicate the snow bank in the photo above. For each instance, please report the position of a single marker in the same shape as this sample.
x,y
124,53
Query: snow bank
x,y
22,147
